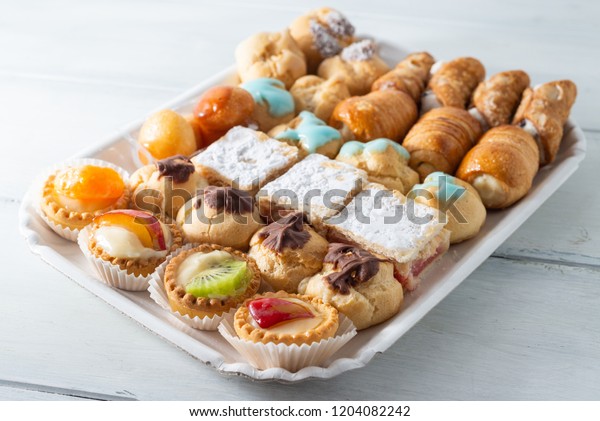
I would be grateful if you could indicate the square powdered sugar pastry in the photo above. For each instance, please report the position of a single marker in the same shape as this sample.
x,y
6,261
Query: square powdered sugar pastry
x,y
246,159
317,185
389,224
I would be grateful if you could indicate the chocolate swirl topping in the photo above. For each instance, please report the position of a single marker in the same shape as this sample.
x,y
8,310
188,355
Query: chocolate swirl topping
x,y
288,232
228,199
178,166
353,264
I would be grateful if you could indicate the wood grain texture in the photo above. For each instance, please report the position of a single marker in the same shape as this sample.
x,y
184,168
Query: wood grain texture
x,y
523,326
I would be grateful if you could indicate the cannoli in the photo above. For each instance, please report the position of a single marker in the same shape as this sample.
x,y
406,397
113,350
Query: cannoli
x,y
387,113
502,166
452,83
440,140
496,100
543,112
410,76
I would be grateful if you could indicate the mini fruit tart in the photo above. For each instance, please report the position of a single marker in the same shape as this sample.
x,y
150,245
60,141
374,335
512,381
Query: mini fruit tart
x,y
135,241
283,318
209,280
73,195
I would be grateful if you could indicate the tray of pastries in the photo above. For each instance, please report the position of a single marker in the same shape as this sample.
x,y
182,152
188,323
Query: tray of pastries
x,y
296,214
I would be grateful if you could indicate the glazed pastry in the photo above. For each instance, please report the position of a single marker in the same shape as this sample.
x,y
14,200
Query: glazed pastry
x,y
283,318
457,200
274,104
496,100
246,159
210,280
452,83
440,140
163,188
318,95
288,251
135,241
385,161
409,76
165,134
502,166
388,224
274,55
220,215
197,128
320,34
73,196
317,186
358,284
310,134
358,66
387,113
543,113
221,108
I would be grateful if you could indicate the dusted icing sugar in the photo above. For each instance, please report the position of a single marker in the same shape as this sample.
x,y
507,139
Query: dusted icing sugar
x,y
317,185
326,44
359,51
395,226
247,158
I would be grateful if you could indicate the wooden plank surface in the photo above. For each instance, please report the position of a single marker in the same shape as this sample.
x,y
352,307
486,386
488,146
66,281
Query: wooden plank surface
x,y
523,326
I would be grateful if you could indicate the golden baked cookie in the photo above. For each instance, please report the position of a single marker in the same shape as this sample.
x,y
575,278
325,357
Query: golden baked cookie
x,y
210,280
273,55
359,284
287,251
220,215
457,199
321,33
358,66
274,104
73,196
135,241
318,95
283,318
165,186
385,161
310,134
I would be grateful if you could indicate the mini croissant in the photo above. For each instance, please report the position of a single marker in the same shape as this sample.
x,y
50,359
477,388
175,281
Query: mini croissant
x,y
502,166
496,100
440,140
410,76
543,112
389,114
453,83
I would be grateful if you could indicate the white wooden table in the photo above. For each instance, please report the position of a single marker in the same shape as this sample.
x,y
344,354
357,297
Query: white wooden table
x,y
525,325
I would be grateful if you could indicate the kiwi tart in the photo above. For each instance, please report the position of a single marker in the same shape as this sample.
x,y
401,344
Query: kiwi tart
x,y
210,280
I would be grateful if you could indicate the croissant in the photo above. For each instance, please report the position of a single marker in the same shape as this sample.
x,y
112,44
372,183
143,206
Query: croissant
x,y
452,83
496,100
389,114
502,166
543,112
440,139
409,76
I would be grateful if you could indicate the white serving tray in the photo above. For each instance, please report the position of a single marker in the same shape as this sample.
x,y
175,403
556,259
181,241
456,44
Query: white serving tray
x,y
210,347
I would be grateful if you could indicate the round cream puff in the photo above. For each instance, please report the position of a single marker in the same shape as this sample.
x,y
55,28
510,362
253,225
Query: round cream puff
x,y
220,215
287,251
359,284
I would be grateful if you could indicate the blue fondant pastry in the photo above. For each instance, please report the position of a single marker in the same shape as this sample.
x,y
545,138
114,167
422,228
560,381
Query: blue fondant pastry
x,y
272,93
311,133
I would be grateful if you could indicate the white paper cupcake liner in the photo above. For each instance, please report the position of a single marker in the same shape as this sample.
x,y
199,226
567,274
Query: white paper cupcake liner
x,y
159,294
288,357
111,274
64,232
